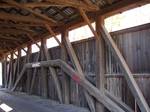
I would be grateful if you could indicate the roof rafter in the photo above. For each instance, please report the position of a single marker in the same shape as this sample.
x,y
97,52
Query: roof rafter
x,y
75,4
33,5
14,31
45,18
9,38
19,18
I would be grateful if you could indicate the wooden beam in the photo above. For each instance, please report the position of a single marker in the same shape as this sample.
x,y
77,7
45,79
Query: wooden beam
x,y
87,20
29,72
75,4
109,1
14,31
10,78
125,107
78,67
32,39
53,73
45,18
127,73
34,73
19,18
44,76
33,5
92,90
100,63
66,83
52,34
9,38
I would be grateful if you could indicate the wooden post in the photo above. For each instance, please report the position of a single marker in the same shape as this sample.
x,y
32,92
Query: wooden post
x,y
100,62
28,81
34,73
78,67
52,70
44,77
18,63
66,90
10,78
4,71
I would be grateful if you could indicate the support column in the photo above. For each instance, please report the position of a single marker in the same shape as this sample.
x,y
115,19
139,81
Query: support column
x,y
100,62
28,81
66,87
78,67
4,71
44,77
10,78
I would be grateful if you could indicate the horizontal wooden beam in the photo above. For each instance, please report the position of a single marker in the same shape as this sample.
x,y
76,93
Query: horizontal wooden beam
x,y
14,31
33,5
47,19
75,4
9,38
19,18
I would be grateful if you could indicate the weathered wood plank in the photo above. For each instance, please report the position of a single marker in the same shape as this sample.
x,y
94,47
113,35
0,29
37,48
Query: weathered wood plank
x,y
66,83
77,65
128,75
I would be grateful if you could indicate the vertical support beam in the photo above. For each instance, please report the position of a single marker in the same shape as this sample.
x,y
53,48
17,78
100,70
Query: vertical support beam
x,y
28,81
54,75
4,74
18,65
10,78
77,65
14,70
66,90
34,73
44,77
8,73
100,62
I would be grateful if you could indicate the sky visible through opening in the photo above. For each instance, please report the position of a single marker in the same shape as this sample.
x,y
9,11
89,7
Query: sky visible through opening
x,y
127,19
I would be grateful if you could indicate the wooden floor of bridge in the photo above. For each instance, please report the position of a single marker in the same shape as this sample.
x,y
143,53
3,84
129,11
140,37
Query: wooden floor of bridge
x,y
21,102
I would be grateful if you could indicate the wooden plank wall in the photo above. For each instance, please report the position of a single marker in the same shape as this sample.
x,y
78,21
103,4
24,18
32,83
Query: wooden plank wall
x,y
133,43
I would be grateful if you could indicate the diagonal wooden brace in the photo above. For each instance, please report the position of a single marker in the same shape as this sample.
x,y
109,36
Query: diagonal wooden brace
x,y
117,54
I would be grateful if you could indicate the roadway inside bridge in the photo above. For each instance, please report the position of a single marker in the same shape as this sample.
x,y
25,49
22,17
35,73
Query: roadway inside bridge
x,y
21,102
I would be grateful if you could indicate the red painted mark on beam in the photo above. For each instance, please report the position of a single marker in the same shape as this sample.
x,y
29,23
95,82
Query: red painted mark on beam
x,y
76,78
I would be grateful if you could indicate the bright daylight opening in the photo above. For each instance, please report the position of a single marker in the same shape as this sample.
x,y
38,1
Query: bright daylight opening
x,y
23,53
80,33
35,48
51,42
5,107
130,18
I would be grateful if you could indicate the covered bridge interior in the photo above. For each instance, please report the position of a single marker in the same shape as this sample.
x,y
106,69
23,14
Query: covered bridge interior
x,y
109,72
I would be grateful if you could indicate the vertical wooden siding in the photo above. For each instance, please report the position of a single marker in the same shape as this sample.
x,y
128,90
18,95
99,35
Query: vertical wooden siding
x,y
135,48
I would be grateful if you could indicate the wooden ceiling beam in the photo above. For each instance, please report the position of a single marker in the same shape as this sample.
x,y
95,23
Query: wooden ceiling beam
x,y
45,18
33,5
9,38
19,18
109,1
19,25
14,31
75,4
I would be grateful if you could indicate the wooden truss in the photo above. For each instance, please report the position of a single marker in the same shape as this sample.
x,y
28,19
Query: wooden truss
x,y
117,54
